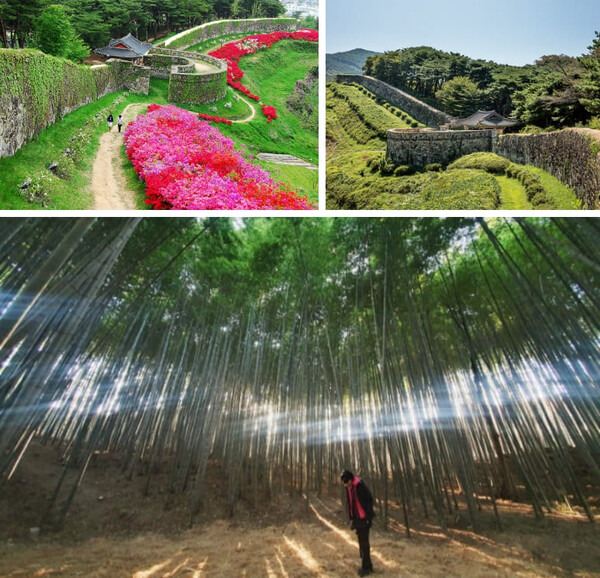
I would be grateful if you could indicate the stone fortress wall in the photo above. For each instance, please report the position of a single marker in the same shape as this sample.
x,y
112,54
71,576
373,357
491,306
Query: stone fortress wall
x,y
37,89
421,147
420,111
571,155
220,28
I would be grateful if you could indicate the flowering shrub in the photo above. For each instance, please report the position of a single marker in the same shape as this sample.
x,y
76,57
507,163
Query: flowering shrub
x,y
233,51
269,112
214,118
189,164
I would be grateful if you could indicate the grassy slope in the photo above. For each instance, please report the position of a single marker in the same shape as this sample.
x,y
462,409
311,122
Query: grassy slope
x,y
349,130
272,74
357,187
257,135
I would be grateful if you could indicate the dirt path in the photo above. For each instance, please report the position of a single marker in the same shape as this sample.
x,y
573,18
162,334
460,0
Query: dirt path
x,y
252,112
202,66
108,182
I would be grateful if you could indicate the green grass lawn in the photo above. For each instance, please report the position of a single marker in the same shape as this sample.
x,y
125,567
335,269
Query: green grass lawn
x,y
513,195
271,74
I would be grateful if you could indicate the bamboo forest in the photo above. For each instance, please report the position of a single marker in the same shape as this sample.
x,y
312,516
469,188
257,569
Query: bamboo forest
x,y
451,363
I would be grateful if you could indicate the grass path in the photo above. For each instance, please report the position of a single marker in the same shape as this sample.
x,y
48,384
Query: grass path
x,y
513,195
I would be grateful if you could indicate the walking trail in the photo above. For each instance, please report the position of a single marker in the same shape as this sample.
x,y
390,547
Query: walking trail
x,y
109,186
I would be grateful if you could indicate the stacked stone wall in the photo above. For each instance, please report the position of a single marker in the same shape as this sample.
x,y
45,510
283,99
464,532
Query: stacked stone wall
x,y
417,109
160,65
224,27
37,89
422,147
191,87
197,88
570,156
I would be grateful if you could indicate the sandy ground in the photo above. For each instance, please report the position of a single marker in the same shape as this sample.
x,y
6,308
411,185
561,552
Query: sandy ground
x,y
113,531
108,183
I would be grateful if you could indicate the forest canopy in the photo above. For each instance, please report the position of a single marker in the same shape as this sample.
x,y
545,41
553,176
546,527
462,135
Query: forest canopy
x,y
431,353
556,91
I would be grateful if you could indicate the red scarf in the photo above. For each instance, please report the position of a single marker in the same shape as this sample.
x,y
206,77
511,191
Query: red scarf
x,y
356,509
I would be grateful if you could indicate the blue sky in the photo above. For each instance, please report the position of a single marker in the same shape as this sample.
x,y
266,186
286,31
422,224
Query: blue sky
x,y
508,32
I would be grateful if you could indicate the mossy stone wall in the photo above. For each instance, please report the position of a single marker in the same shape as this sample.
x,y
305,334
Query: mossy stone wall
x,y
37,89
197,88
186,85
423,147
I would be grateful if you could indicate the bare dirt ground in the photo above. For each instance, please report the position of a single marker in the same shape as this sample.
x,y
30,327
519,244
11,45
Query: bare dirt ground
x,y
113,531
108,183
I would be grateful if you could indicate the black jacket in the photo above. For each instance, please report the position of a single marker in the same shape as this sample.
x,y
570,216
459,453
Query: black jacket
x,y
364,496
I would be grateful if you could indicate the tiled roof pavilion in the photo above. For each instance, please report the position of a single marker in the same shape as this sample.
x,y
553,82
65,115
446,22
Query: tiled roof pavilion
x,y
127,48
487,119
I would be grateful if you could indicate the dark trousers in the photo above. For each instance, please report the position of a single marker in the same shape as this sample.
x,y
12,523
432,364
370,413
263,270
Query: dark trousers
x,y
364,546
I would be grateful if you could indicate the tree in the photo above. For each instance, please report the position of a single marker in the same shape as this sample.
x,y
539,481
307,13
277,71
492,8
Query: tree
x,y
460,96
590,81
18,18
56,35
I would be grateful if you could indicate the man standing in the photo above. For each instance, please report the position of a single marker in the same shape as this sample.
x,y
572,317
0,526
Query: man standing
x,y
360,510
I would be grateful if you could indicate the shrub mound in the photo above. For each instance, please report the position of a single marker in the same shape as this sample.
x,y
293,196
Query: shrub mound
x,y
488,162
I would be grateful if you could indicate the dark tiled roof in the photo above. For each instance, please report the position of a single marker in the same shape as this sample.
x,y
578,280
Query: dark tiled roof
x,y
486,118
134,49
117,52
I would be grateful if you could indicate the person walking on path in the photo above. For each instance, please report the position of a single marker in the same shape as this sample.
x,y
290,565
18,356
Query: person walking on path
x,y
120,122
110,121
360,510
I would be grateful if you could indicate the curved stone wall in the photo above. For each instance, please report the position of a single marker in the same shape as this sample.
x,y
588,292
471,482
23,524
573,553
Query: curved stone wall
x,y
160,65
418,110
197,88
223,27
421,147
188,86
569,155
